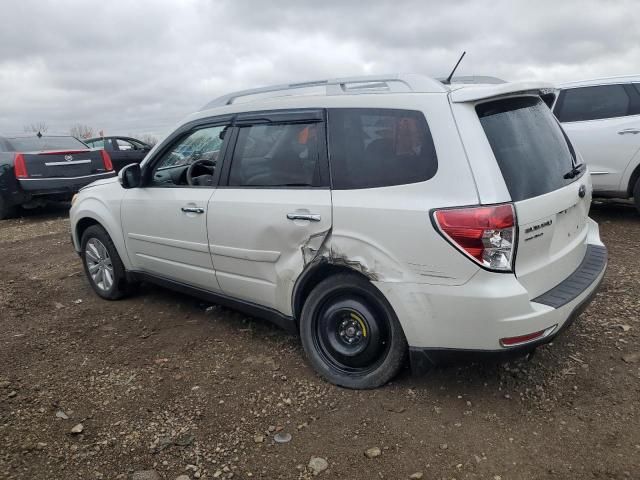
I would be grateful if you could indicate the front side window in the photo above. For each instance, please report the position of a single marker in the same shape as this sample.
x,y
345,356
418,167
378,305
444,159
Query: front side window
x,y
532,151
379,148
277,155
198,150
592,103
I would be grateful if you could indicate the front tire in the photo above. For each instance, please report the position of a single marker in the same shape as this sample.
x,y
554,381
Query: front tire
x,y
351,334
102,264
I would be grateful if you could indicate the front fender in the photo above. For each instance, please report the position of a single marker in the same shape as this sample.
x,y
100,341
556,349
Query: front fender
x,y
106,212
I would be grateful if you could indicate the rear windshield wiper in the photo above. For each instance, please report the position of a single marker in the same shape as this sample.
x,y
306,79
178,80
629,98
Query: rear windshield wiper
x,y
574,171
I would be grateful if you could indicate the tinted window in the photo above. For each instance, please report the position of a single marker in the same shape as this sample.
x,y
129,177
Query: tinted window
x,y
531,149
30,144
203,144
379,148
124,145
548,98
277,155
592,103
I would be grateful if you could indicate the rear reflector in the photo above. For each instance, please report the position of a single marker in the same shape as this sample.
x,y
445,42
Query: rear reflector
x,y
106,159
523,339
20,167
484,234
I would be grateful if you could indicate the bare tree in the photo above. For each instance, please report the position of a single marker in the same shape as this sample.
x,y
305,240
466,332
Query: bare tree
x,y
80,130
36,127
147,138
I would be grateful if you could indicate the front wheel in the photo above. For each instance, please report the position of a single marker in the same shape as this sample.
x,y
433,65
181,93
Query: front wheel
x,y
102,264
351,334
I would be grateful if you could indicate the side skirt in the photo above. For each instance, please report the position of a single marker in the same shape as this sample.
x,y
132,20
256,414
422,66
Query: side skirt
x,y
285,322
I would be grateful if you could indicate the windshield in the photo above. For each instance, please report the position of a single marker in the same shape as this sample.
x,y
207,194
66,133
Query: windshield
x,y
532,151
31,144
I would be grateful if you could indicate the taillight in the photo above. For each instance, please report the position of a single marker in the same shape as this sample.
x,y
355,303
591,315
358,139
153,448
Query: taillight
x,y
106,159
485,234
20,167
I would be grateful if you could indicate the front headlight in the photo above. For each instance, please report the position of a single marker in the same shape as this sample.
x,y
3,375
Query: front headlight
x,y
73,199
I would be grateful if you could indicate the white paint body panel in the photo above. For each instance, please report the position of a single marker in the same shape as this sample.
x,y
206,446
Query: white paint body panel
x,y
162,239
256,249
610,155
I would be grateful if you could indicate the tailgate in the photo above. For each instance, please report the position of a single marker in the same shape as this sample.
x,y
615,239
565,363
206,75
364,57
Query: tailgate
x,y
552,236
64,164
548,186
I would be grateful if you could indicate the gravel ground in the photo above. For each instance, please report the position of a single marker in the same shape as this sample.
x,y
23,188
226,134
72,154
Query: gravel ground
x,y
158,386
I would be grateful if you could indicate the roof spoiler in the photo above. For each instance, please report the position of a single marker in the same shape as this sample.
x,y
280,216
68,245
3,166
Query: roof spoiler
x,y
483,92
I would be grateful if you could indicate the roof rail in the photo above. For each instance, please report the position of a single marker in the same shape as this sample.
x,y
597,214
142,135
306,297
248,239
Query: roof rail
x,y
475,79
337,86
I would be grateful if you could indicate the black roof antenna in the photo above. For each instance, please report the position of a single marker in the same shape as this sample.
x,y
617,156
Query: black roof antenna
x,y
448,80
39,135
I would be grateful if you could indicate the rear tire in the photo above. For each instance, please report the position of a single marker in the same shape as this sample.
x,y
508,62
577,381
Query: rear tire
x,y
7,210
102,264
636,195
351,334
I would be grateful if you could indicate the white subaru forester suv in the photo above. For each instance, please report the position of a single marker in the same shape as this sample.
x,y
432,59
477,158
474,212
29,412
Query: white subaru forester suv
x,y
379,218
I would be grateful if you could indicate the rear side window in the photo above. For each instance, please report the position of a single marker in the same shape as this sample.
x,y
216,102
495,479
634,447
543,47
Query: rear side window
x,y
532,151
593,103
379,148
277,155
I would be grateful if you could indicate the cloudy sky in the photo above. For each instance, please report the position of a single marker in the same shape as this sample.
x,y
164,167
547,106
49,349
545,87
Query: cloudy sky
x,y
136,67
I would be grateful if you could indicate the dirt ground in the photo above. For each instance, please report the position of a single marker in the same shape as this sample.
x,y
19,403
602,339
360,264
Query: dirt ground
x,y
161,382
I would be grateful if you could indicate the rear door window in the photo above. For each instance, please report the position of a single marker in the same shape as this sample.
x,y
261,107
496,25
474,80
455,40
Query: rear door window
x,y
277,155
379,148
532,151
593,103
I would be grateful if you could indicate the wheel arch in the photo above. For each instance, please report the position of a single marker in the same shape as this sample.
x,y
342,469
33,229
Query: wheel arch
x,y
311,277
83,224
94,212
635,175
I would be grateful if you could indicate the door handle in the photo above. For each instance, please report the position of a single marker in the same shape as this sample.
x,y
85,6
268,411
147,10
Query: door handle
x,y
304,216
628,130
192,210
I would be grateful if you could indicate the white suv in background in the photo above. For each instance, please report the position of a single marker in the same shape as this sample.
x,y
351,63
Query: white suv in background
x,y
379,218
602,118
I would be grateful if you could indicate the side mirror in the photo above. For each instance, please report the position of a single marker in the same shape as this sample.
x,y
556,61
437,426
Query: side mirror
x,y
130,176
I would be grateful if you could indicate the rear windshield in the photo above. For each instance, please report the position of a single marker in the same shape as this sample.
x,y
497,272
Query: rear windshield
x,y
531,149
33,144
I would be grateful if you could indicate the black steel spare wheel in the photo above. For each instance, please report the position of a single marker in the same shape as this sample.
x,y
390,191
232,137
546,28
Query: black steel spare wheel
x,y
350,333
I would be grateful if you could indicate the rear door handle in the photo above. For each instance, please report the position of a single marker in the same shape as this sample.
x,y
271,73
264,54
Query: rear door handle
x,y
304,216
628,130
192,210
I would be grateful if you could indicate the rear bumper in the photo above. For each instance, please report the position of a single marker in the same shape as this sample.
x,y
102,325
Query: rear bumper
x,y
440,321
423,359
59,185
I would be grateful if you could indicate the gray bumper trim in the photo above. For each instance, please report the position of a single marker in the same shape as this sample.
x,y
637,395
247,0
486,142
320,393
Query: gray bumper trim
x,y
593,263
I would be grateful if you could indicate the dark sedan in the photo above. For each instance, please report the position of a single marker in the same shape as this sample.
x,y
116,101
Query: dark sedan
x,y
122,150
38,168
